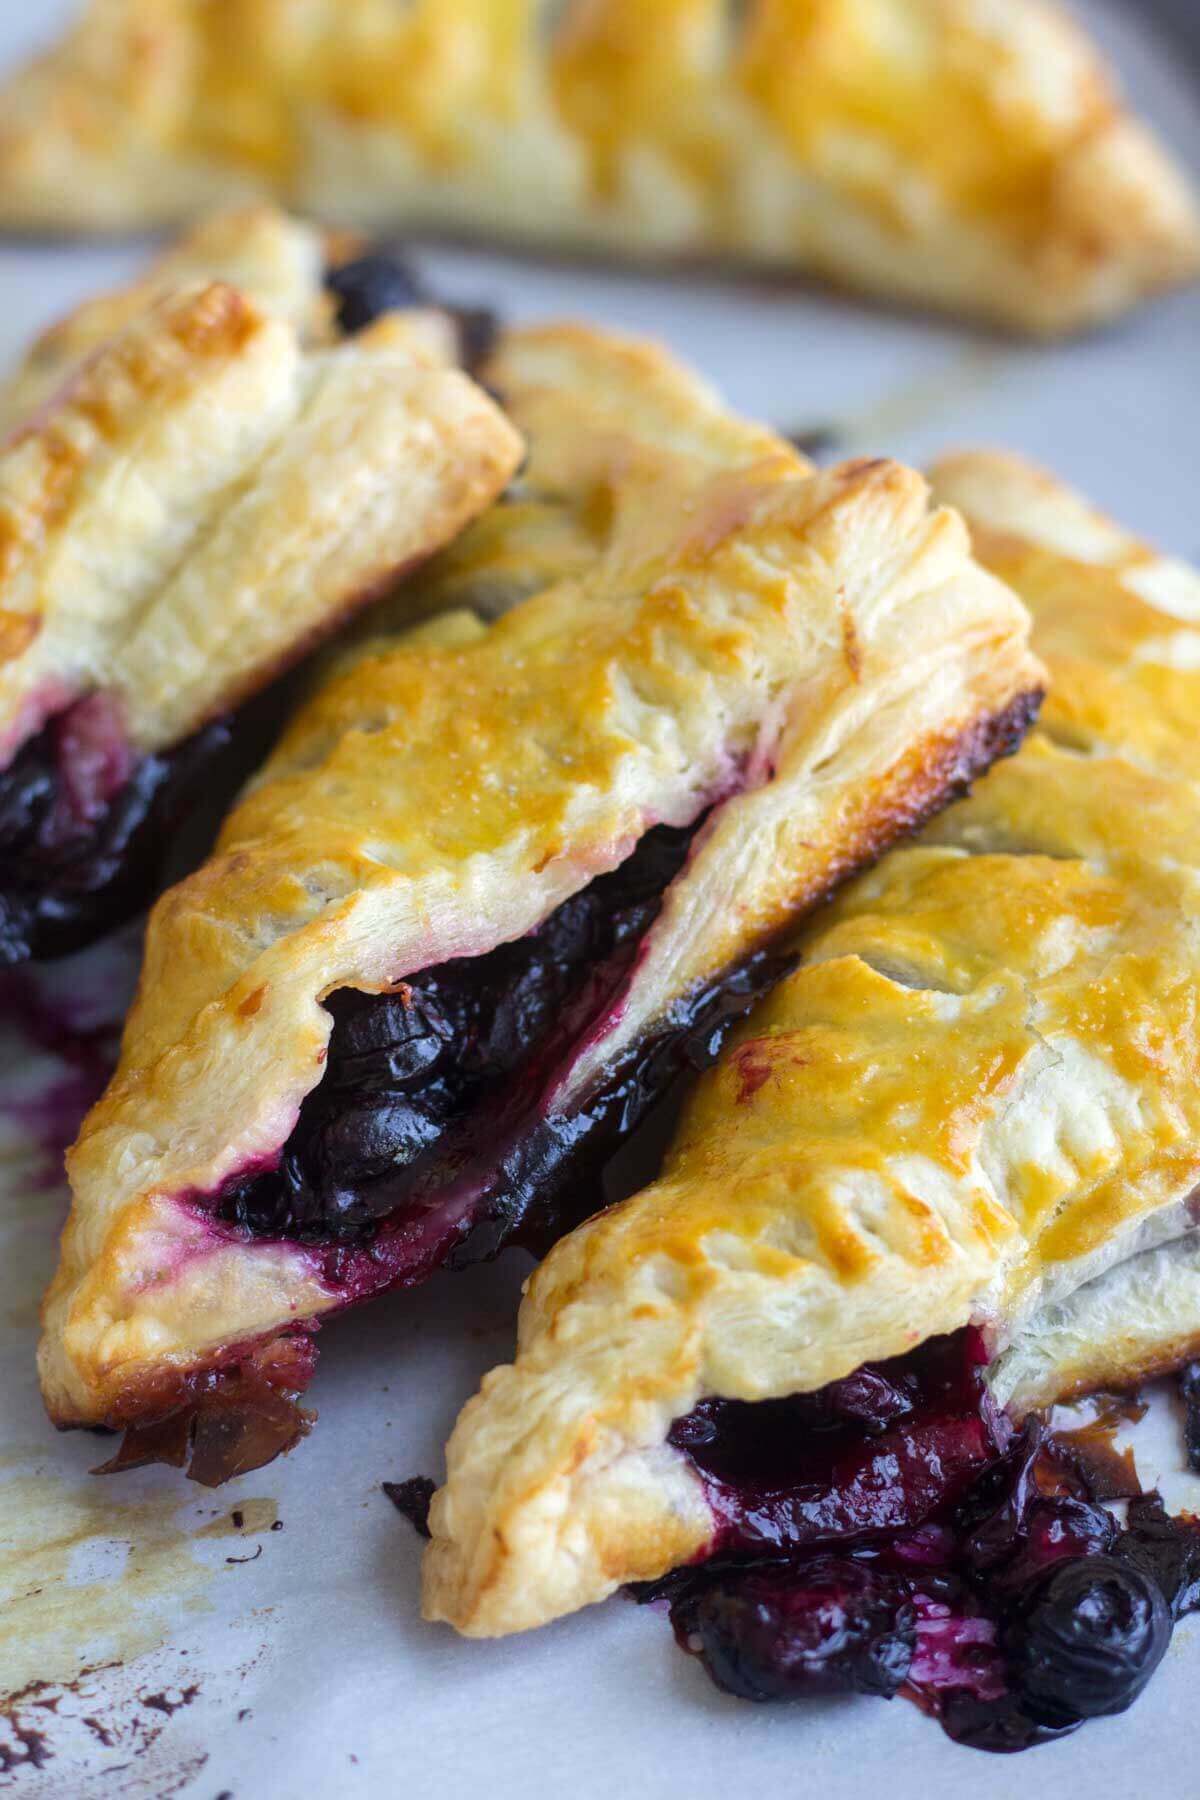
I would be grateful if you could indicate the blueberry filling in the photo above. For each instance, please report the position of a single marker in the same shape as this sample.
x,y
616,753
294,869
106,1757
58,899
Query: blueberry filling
x,y
884,1450
894,1533
370,285
826,1626
383,281
1091,1633
815,441
73,868
431,1127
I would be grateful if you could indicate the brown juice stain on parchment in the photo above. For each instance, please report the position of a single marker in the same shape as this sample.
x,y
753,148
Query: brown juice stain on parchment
x,y
88,1578
96,1661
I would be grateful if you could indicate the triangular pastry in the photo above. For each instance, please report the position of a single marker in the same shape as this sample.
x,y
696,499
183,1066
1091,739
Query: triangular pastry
x,y
202,475
976,1103
498,883
973,155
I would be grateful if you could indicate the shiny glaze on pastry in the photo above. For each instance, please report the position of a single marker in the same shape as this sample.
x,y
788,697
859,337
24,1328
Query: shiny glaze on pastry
x,y
199,481
976,1101
971,154
782,670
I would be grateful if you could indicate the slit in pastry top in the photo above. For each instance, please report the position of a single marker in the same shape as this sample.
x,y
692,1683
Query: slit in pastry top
x,y
198,480
974,1104
498,882
961,153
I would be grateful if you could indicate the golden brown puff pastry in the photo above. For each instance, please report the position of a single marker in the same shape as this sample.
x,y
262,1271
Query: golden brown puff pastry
x,y
497,883
976,1102
969,154
273,259
202,479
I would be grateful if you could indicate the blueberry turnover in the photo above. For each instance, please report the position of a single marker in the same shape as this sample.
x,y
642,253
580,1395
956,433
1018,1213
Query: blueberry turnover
x,y
498,884
944,1175
201,475
974,155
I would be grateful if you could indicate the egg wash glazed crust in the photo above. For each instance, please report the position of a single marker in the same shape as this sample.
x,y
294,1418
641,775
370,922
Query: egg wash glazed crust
x,y
945,1175
974,155
498,883
200,476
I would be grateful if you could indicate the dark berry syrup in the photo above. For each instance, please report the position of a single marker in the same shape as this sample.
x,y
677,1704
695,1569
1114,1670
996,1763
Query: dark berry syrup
x,y
430,1137
894,1533
85,827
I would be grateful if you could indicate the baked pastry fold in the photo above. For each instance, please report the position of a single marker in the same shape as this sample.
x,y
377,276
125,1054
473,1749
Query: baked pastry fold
x,y
498,883
199,480
976,1102
961,153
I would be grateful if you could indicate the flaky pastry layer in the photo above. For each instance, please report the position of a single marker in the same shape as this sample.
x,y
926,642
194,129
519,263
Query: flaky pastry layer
x,y
275,260
200,479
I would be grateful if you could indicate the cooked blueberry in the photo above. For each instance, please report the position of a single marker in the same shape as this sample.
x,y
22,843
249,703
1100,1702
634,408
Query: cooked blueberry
x,y
870,1398
371,285
825,1627
27,789
1014,1611
1087,1640
700,1428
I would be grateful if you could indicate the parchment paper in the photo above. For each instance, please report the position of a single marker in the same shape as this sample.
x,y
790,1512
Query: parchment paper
x,y
263,1641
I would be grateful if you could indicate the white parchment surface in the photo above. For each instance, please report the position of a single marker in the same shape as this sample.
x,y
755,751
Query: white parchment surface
x,y
283,1656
